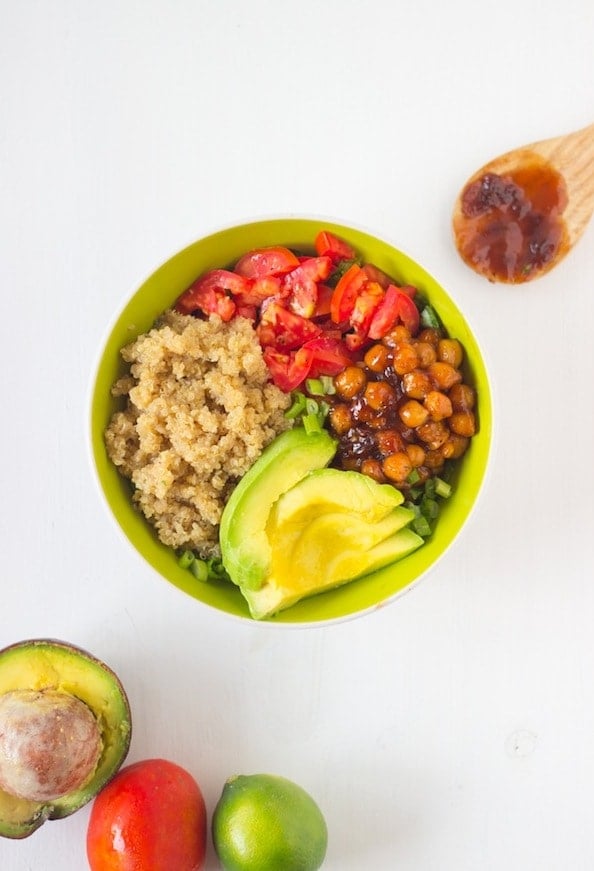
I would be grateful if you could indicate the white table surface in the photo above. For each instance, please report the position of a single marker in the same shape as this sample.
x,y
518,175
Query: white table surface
x,y
454,729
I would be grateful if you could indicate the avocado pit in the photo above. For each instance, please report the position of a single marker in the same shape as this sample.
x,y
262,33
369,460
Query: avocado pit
x,y
50,743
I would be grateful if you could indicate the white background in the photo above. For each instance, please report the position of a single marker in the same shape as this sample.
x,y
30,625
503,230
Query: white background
x,y
454,729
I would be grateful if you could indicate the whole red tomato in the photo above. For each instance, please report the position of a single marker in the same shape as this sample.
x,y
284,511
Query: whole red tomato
x,y
150,816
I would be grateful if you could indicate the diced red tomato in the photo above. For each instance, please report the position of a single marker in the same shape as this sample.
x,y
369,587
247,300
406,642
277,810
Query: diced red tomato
x,y
259,289
368,299
396,307
322,308
262,262
345,293
327,244
328,356
210,294
289,370
375,274
301,284
283,329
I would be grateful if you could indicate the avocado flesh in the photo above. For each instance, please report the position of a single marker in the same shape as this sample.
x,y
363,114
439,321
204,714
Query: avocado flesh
x,y
43,664
245,548
321,544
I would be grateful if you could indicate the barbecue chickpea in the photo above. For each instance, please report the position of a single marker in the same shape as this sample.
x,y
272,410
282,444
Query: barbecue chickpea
x,y
462,397
377,358
397,334
405,358
413,414
450,351
416,455
454,447
430,336
463,423
444,375
417,384
434,460
426,354
438,405
434,434
397,467
389,441
373,469
379,395
350,381
341,418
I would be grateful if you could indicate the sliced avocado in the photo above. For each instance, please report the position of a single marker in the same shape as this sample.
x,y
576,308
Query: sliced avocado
x,y
328,529
245,548
48,669
334,489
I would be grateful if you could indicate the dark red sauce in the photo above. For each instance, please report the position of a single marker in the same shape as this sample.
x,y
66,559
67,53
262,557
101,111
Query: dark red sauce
x,y
510,227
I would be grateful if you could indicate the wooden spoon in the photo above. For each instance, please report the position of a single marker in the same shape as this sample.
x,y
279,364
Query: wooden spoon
x,y
520,214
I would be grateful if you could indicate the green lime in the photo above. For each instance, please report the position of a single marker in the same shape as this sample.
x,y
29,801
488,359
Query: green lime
x,y
263,822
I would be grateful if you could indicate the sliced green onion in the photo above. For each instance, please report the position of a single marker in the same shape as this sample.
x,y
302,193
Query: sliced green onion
x,y
442,488
186,559
315,386
430,488
324,408
311,406
311,423
429,508
199,569
328,384
413,477
421,526
297,407
429,317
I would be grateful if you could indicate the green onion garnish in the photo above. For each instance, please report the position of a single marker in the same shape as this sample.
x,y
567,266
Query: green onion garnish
x,y
442,488
186,559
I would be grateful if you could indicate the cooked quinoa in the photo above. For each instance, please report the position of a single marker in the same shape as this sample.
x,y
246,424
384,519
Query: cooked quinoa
x,y
200,408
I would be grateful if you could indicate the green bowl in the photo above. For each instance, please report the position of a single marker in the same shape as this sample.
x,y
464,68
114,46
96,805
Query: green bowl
x,y
159,291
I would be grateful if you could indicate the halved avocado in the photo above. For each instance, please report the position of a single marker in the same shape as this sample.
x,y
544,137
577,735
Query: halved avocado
x,y
51,667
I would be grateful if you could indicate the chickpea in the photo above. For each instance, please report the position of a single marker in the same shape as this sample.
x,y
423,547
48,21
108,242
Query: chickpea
x,y
426,354
397,467
379,395
389,441
430,336
450,351
434,433
397,335
377,421
463,423
454,447
417,384
350,381
340,418
413,414
434,460
373,469
377,358
416,455
438,405
405,358
462,397
444,375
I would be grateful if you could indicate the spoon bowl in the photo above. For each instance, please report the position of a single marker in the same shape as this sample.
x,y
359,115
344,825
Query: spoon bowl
x,y
522,212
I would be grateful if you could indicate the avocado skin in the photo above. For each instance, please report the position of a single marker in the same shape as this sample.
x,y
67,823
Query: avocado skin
x,y
245,549
43,662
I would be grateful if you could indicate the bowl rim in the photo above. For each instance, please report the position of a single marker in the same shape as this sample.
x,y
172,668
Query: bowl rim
x,y
491,434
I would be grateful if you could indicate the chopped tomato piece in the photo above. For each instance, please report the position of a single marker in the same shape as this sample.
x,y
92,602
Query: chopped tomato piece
x,y
301,284
369,298
258,290
323,302
209,294
375,274
345,293
396,306
328,244
262,262
288,371
283,329
328,355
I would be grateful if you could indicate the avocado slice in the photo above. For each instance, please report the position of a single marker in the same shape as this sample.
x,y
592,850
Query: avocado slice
x,y
338,490
48,674
245,548
330,528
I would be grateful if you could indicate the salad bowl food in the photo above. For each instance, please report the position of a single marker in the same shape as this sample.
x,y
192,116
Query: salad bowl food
x,y
318,523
